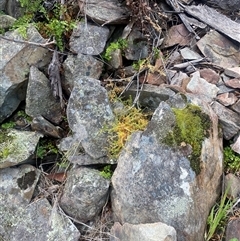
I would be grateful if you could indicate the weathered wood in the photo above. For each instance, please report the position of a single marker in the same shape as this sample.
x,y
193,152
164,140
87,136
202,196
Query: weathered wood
x,y
215,20
55,78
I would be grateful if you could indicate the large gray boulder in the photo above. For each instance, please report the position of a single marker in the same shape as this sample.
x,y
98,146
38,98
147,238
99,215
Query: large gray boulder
x,y
159,181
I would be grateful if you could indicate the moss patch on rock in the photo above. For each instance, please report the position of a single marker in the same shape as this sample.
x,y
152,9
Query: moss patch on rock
x,y
192,127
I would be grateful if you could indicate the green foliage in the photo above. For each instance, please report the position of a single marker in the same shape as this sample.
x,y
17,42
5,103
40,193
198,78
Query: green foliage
x,y
191,127
139,64
57,28
8,125
231,160
107,172
218,216
21,113
233,239
44,148
54,26
119,44
22,25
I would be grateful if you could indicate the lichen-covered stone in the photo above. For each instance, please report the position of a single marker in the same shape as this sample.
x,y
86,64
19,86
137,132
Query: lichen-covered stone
x,y
89,113
84,194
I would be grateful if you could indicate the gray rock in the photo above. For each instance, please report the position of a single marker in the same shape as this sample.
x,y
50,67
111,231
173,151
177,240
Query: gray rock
x,y
176,77
154,182
229,120
106,12
150,96
189,54
236,145
136,49
17,147
144,232
84,194
89,39
233,230
40,100
232,185
80,65
48,225
14,68
200,86
236,107
13,8
88,113
2,5
46,128
6,21
233,72
219,49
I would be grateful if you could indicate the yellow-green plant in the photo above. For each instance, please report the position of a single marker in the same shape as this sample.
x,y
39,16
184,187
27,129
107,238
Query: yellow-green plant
x,y
129,120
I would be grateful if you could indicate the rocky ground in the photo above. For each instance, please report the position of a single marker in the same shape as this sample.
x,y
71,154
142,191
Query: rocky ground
x,y
66,170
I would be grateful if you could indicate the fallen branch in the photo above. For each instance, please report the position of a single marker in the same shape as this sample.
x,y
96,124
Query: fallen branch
x,y
43,45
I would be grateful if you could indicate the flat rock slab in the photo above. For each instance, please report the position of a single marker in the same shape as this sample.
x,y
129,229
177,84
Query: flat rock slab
x,y
233,230
144,232
89,39
106,12
219,50
229,120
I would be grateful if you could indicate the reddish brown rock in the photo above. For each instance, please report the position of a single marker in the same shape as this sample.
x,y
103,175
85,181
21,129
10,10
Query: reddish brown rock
x,y
209,75
227,99
177,34
233,83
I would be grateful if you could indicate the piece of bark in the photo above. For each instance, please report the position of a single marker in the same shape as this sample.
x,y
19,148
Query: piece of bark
x,y
54,77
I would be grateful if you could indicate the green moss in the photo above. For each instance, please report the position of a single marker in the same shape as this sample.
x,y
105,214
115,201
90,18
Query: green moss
x,y
191,128
106,172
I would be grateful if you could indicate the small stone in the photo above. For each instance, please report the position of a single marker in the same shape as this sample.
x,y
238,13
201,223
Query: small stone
x,y
233,83
144,232
233,72
227,99
232,185
209,75
236,145
198,85
236,107
188,54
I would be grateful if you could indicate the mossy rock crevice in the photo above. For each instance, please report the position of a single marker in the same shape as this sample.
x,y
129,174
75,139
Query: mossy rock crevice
x,y
191,128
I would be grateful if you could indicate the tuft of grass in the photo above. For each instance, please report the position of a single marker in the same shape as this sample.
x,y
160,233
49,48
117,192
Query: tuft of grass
x,y
8,125
218,216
